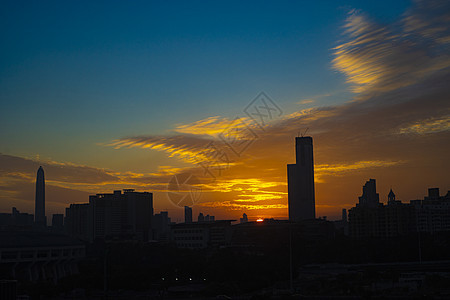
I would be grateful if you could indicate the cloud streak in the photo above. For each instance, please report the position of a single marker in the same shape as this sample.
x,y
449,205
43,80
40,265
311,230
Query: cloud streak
x,y
382,58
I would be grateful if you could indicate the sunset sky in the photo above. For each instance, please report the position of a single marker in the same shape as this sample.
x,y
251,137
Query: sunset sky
x,y
128,94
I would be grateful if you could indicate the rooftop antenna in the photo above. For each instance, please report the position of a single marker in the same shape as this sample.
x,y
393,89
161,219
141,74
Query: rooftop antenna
x,y
305,131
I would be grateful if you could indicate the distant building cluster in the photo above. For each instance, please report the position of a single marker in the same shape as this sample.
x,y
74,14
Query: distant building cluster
x,y
32,251
16,219
370,218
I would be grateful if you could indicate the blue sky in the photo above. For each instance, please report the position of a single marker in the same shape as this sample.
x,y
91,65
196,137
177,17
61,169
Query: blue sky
x,y
74,74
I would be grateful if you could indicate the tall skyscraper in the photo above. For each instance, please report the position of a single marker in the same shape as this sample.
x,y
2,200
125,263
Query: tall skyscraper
x,y
187,214
301,196
39,204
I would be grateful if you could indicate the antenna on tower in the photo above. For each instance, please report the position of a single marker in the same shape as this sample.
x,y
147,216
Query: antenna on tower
x,y
305,131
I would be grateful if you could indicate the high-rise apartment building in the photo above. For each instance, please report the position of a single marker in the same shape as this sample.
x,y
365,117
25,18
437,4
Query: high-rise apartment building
x,y
123,216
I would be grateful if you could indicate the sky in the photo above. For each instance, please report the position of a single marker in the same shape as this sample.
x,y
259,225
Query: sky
x,y
109,95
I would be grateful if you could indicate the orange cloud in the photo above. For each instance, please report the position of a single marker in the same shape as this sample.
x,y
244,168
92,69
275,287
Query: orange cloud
x,y
322,170
211,126
432,125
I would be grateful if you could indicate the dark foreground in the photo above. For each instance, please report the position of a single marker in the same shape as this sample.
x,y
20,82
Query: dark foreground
x,y
321,269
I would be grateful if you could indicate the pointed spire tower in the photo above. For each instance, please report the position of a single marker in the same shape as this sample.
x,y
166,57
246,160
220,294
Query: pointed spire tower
x,y
39,205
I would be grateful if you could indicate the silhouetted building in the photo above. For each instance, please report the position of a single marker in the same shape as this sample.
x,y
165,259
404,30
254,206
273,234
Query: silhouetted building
x,y
207,218
370,197
122,216
39,208
301,197
367,218
399,217
187,214
112,216
79,221
21,219
161,226
433,194
391,197
370,218
342,224
198,235
433,213
16,219
58,222
244,218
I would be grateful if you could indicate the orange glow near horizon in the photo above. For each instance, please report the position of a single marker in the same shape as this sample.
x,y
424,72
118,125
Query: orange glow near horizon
x,y
259,220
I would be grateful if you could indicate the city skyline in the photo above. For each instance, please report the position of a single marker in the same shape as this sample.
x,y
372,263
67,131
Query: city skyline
x,y
367,81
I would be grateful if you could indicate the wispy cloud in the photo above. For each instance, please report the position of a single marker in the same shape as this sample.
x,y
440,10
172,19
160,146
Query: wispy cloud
x,y
385,57
306,101
189,148
211,126
432,125
322,170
